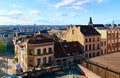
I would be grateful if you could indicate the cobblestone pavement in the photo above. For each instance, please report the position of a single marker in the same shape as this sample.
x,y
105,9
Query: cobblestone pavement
x,y
7,67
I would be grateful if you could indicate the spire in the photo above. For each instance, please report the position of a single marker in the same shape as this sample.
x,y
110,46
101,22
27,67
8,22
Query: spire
x,y
113,23
90,21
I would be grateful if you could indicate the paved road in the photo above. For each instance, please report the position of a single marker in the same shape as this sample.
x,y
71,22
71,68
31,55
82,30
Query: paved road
x,y
7,67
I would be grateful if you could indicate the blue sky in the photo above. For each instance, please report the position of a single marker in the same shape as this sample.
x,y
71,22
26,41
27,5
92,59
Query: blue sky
x,y
57,12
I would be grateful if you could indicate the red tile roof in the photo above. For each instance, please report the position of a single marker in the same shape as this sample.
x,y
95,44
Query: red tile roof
x,y
40,39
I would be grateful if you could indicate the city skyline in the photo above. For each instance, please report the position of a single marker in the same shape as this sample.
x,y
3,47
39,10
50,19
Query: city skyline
x,y
57,12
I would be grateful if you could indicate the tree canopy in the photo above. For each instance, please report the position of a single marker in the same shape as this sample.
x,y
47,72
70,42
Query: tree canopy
x,y
55,36
2,47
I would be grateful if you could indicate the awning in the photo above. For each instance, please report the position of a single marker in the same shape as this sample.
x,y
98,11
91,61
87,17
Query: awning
x,y
18,67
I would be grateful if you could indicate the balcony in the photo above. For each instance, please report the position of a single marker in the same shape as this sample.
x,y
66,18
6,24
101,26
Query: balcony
x,y
43,54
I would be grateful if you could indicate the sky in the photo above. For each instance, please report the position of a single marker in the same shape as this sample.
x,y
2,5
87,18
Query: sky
x,y
58,12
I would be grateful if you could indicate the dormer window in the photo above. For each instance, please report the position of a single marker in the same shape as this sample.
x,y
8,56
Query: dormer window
x,y
65,46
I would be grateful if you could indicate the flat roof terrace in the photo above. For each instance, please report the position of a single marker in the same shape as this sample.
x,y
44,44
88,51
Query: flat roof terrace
x,y
112,61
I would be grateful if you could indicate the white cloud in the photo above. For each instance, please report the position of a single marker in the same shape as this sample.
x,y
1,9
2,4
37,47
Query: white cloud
x,y
75,4
16,6
17,17
15,12
99,1
34,12
64,3
67,14
73,14
62,14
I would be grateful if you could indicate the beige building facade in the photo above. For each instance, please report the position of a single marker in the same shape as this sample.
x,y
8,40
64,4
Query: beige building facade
x,y
35,51
88,37
103,33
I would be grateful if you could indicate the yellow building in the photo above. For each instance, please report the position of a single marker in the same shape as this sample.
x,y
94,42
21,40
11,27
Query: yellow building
x,y
103,33
34,51
87,36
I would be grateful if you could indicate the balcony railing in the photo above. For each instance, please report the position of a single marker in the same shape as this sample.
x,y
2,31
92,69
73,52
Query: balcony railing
x,y
40,54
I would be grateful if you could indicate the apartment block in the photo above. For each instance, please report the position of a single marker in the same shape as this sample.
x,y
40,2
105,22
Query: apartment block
x,y
33,51
88,37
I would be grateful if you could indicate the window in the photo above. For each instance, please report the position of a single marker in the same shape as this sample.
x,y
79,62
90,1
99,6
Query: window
x,y
98,46
72,31
44,60
90,55
85,47
101,43
93,39
90,40
65,46
49,50
38,51
89,46
38,61
113,44
50,59
105,51
44,51
30,52
30,63
104,43
86,55
108,45
93,46
86,40
93,54
97,39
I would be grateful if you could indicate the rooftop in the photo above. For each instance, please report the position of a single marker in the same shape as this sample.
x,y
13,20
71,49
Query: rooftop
x,y
109,60
98,25
40,39
88,30
65,49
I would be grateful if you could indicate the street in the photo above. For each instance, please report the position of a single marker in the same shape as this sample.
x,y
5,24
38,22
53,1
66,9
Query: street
x,y
7,67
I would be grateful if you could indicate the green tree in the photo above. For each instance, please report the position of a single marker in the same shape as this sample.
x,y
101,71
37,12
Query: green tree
x,y
55,36
2,47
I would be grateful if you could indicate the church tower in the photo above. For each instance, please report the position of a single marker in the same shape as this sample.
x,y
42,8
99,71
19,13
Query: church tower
x,y
113,24
90,22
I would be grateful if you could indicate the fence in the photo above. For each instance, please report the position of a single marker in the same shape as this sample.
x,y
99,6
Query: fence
x,y
40,73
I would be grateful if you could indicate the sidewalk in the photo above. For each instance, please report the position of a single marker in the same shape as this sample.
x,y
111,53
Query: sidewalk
x,y
7,67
